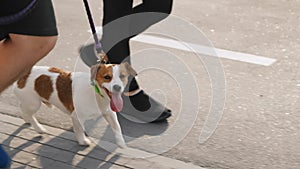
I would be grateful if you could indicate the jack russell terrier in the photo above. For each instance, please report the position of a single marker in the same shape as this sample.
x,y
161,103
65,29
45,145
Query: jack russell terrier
x,y
53,86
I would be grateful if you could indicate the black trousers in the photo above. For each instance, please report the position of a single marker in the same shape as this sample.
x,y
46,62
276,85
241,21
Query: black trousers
x,y
128,23
122,21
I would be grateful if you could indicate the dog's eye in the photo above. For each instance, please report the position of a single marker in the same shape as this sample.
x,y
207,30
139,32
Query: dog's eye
x,y
122,76
107,77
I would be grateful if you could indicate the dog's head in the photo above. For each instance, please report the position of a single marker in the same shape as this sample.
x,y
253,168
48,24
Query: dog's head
x,y
113,78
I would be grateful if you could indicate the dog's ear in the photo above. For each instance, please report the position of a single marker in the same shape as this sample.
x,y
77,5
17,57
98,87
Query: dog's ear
x,y
94,70
129,69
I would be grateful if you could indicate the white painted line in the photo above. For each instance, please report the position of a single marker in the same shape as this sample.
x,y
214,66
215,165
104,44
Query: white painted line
x,y
209,51
204,50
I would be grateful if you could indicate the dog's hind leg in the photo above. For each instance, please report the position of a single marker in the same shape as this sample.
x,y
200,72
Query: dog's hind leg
x,y
28,111
79,131
112,119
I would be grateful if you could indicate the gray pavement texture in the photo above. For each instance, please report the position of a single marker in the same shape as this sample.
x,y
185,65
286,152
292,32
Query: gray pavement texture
x,y
260,123
58,149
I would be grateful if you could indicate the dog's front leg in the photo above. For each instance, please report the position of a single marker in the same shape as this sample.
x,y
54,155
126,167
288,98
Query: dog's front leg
x,y
112,119
79,131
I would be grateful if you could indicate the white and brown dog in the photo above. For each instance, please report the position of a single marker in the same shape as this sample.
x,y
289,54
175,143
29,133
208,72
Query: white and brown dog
x,y
53,86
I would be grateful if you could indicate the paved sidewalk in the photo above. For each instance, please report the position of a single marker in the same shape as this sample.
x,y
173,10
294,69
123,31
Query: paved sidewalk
x,y
59,150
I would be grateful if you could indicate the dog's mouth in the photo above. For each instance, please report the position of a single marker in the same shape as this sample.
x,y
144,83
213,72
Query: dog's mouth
x,y
116,101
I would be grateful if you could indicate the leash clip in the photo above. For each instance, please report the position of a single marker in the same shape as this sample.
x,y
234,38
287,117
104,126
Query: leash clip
x,y
102,58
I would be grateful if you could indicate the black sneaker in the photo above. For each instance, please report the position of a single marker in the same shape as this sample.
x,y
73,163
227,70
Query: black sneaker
x,y
144,109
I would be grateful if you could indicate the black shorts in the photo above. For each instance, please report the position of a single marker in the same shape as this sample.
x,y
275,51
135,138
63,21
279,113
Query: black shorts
x,y
40,21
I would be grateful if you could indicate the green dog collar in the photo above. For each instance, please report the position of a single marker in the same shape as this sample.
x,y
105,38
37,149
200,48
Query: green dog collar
x,y
97,90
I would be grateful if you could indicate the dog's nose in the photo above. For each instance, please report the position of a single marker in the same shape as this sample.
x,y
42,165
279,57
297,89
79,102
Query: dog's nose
x,y
117,88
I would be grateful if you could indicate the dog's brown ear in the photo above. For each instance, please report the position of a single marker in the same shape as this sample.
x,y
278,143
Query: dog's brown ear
x,y
94,70
129,69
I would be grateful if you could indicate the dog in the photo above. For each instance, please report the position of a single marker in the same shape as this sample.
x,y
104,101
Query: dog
x,y
53,86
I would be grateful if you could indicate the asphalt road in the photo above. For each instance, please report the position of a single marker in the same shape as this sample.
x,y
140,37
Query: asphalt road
x,y
260,123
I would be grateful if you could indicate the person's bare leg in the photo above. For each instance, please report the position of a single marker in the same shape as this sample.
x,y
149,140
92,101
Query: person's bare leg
x,y
19,53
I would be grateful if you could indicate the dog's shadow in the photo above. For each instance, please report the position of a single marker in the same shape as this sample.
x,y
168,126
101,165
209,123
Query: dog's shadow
x,y
138,135
131,131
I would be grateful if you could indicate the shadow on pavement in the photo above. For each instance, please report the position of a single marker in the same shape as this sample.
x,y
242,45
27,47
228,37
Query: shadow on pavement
x,y
19,148
63,152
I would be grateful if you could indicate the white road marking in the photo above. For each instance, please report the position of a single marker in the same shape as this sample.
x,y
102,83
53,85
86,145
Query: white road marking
x,y
209,51
204,50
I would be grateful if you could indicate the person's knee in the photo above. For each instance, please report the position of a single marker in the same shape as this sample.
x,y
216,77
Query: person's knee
x,y
50,42
36,45
32,48
41,46
45,45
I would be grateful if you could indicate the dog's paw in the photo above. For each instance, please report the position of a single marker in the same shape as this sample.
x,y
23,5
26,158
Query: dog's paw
x,y
85,142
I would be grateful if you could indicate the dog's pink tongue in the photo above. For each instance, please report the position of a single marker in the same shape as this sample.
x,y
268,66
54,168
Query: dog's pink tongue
x,y
116,102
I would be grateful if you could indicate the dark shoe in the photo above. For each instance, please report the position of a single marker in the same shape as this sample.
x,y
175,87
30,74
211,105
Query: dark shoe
x,y
143,108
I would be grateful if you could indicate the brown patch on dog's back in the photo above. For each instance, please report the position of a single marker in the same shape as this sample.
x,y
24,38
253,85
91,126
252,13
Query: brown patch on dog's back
x,y
22,81
64,88
43,86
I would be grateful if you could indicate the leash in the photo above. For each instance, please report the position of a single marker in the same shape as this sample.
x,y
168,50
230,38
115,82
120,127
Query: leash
x,y
6,20
98,45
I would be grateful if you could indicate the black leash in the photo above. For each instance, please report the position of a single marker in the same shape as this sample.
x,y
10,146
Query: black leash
x,y
92,26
